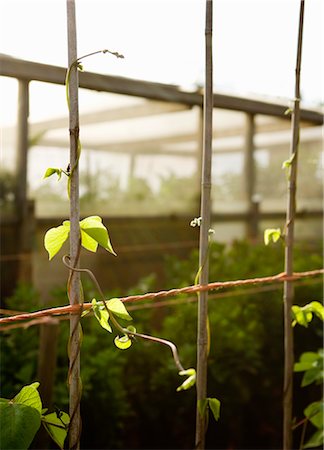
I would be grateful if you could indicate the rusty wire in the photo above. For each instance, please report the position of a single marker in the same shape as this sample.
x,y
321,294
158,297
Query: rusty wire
x,y
74,309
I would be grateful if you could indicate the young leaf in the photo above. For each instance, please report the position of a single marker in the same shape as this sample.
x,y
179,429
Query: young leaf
x,y
57,427
271,235
316,440
301,316
55,238
317,308
287,164
312,375
214,405
288,111
312,364
93,232
306,361
101,314
29,396
190,381
51,171
118,308
314,412
123,342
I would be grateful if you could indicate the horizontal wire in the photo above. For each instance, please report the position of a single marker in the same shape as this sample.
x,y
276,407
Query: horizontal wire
x,y
48,320
75,309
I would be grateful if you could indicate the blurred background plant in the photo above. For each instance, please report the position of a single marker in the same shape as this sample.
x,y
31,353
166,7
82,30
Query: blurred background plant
x,y
129,398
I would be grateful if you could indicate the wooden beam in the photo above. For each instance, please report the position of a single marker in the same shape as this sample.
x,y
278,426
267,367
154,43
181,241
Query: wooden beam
x,y
147,109
27,70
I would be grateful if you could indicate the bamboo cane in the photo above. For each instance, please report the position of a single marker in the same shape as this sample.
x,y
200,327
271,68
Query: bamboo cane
x,y
202,335
74,278
289,247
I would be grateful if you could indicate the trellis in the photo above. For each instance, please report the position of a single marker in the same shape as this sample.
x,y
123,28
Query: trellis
x,y
203,287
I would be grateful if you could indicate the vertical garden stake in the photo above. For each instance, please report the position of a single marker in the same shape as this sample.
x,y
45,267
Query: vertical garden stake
x,y
74,277
202,334
289,245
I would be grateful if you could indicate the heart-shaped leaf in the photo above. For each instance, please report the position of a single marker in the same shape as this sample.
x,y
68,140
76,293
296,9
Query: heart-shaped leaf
x,y
51,171
57,426
118,308
55,238
29,396
214,405
93,232
18,423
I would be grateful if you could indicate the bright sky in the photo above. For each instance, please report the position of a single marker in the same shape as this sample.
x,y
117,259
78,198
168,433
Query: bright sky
x,y
163,40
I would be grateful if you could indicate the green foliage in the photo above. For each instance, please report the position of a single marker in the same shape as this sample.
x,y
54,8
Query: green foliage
x,y
303,315
118,308
101,314
272,235
56,424
123,342
244,362
207,404
190,381
286,165
93,233
19,424
29,396
20,419
53,170
312,364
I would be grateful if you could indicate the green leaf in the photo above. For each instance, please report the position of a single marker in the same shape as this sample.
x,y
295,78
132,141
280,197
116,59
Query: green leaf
x,y
190,381
314,412
214,405
93,232
55,427
118,308
316,440
51,171
271,235
55,238
287,164
18,424
301,316
311,376
317,308
101,314
312,364
306,361
29,396
288,112
123,342
304,314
